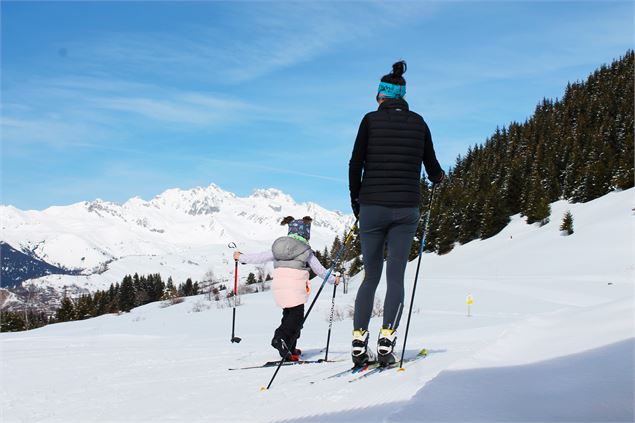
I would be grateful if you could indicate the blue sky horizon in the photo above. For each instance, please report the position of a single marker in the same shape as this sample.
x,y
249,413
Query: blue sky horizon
x,y
113,100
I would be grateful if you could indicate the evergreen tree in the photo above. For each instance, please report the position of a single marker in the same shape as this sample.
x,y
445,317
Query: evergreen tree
x,y
251,279
170,291
495,217
188,288
85,308
335,247
327,260
66,312
567,223
127,294
11,322
445,242
356,266
537,208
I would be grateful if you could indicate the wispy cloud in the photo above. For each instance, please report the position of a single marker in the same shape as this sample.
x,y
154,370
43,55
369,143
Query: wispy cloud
x,y
252,41
122,81
191,109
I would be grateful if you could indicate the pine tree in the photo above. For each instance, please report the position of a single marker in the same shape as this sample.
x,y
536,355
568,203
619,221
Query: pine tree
x,y
356,266
567,223
188,288
66,312
127,294
335,247
251,279
85,308
12,322
537,208
445,242
327,260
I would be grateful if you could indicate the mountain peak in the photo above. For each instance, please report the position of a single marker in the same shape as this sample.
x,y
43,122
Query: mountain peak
x,y
272,194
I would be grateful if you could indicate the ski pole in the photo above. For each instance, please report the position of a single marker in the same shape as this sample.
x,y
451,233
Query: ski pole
x,y
284,344
328,338
234,337
326,278
414,287
335,263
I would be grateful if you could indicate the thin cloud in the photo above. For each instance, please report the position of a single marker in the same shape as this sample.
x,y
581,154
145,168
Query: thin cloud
x,y
256,41
183,108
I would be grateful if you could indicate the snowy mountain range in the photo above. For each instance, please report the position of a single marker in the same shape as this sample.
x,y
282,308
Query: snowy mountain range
x,y
179,233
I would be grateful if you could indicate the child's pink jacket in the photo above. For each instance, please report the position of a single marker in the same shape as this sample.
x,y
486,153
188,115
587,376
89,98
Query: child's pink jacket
x,y
291,287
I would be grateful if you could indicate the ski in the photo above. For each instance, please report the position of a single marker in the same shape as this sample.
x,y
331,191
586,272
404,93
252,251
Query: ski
x,y
379,368
286,363
350,371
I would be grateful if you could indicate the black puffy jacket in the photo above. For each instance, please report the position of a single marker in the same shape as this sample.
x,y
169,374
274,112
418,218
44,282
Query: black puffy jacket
x,y
391,144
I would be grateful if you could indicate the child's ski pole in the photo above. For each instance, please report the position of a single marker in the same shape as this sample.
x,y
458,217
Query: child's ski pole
x,y
328,338
234,337
335,263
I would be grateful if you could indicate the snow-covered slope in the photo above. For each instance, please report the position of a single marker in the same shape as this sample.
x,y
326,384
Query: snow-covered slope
x,y
550,339
179,233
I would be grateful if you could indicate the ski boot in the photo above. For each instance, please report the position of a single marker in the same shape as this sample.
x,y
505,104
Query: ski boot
x,y
281,346
385,346
295,354
360,352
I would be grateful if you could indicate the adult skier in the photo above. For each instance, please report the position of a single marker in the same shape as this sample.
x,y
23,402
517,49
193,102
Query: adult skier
x,y
384,177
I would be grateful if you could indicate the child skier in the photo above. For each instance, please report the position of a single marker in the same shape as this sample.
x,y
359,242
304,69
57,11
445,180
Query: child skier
x,y
292,256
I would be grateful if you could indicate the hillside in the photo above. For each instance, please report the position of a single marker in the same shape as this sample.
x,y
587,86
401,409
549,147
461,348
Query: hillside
x,y
578,148
18,267
550,339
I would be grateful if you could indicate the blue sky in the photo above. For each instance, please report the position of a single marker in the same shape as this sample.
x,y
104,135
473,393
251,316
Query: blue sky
x,y
116,99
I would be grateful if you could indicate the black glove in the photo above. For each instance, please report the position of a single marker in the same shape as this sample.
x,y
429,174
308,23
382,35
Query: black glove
x,y
355,207
439,179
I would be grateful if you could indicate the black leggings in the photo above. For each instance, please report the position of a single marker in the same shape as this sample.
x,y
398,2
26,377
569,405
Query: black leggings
x,y
290,326
395,228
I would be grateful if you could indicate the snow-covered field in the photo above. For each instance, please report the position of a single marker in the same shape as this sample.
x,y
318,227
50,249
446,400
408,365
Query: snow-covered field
x,y
550,339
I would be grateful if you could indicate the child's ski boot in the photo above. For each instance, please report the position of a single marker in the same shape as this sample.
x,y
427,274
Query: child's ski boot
x,y
281,346
385,346
360,352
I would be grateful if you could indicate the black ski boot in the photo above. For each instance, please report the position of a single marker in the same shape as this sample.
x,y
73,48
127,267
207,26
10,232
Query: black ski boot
x,y
360,352
385,346
281,346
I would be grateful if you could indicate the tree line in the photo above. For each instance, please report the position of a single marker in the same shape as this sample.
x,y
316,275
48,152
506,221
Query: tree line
x,y
133,291
578,148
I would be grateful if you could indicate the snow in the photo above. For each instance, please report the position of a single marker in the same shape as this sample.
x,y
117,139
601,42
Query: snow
x,y
551,338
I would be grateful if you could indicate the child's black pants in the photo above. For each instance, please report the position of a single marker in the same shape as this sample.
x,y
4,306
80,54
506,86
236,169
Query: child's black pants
x,y
290,326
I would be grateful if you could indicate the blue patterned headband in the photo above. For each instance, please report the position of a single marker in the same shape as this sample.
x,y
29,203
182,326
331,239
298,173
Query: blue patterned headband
x,y
388,90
